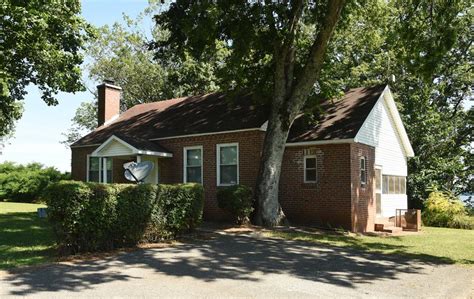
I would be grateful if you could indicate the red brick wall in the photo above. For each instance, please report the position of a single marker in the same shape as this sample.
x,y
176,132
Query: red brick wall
x,y
333,200
363,196
250,144
326,202
79,162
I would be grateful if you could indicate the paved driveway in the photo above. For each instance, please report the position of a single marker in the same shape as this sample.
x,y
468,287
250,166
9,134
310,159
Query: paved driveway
x,y
244,265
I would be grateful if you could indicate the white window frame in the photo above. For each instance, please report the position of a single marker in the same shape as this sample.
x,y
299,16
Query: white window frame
x,y
363,183
102,169
218,162
185,161
315,168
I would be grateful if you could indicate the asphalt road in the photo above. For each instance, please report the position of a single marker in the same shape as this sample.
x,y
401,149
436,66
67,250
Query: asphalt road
x,y
243,265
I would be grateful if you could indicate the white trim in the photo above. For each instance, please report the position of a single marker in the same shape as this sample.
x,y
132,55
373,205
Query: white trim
x,y
87,167
387,97
134,150
206,134
185,161
315,168
218,162
318,142
363,183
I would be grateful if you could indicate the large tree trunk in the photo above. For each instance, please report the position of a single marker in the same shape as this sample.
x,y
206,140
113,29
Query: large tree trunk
x,y
269,212
290,94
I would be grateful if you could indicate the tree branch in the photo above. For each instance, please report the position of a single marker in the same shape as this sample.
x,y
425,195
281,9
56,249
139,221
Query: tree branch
x,y
312,69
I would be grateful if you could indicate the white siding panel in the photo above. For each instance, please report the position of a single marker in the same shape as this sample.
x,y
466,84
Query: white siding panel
x,y
152,178
379,131
391,202
115,148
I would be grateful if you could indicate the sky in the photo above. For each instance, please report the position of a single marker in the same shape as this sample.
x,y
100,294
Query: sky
x,y
39,132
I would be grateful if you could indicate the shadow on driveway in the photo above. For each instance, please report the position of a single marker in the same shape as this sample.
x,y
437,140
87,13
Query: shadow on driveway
x,y
223,256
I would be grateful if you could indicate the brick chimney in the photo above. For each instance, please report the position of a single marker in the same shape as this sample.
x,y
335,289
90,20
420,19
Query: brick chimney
x,y
109,102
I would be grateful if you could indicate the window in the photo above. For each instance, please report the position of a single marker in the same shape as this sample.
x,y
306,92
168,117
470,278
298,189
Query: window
x,y
378,180
227,164
310,170
94,169
192,164
363,171
394,184
97,172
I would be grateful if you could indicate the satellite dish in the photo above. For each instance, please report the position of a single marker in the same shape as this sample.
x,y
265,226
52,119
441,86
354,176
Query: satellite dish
x,y
137,172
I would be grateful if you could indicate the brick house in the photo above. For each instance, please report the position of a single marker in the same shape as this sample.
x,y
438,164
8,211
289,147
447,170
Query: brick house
x,y
344,169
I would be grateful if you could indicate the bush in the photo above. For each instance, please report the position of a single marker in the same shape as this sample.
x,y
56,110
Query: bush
x,y
91,217
179,210
237,200
26,183
444,210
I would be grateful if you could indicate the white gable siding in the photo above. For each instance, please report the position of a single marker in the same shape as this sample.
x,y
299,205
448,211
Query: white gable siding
x,y
115,148
379,131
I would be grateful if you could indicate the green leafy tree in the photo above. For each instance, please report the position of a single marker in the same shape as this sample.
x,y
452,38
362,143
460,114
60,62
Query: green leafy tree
x,y
277,49
40,44
283,52
121,53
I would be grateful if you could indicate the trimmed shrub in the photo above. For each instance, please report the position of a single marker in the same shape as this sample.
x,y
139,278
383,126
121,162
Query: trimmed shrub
x,y
91,216
26,183
180,208
237,200
444,210
135,204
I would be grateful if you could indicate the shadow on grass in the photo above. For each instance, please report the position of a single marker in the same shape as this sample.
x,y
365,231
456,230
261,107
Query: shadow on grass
x,y
243,257
25,239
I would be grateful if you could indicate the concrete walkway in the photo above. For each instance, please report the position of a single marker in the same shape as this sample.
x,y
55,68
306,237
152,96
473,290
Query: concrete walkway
x,y
243,265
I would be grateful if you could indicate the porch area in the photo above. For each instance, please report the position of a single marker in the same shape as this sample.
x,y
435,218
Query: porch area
x,y
105,164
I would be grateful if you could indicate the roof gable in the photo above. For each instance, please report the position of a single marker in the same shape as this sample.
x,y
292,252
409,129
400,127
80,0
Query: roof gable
x,y
385,107
123,146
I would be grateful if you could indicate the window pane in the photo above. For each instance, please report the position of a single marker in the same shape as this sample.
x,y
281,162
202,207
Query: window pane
x,y
363,176
397,185
362,163
310,162
228,155
193,157
193,175
385,184
94,163
310,175
109,164
403,186
378,182
391,186
93,176
228,174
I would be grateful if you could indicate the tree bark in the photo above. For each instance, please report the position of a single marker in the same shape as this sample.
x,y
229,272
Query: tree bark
x,y
290,94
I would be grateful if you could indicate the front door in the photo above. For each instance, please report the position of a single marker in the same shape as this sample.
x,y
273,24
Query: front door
x,y
378,190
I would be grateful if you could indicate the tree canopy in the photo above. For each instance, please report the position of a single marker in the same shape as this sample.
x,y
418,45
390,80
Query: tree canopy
x,y
40,44
121,53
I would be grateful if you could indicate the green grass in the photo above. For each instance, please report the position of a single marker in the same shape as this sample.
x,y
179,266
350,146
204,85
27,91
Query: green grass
x,y
25,239
433,243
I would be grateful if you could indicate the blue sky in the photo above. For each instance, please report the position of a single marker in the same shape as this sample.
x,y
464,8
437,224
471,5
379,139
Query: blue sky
x,y
39,131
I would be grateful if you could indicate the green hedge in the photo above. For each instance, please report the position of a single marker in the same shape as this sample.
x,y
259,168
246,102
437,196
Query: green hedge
x,y
92,217
237,200
25,183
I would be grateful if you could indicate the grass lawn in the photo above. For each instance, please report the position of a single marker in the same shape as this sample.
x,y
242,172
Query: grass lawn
x,y
25,239
436,244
